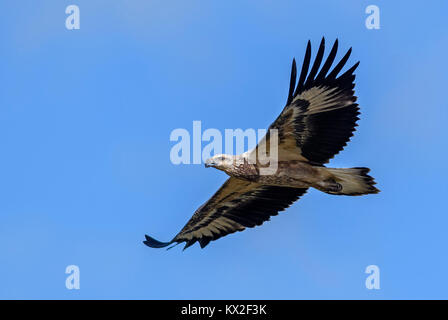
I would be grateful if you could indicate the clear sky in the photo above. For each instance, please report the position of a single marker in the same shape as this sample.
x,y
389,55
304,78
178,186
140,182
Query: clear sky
x,y
85,120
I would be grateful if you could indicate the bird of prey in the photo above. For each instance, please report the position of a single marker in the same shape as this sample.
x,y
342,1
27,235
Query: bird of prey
x,y
317,122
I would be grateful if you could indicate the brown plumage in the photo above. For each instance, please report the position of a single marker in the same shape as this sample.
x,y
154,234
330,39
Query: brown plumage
x,y
317,122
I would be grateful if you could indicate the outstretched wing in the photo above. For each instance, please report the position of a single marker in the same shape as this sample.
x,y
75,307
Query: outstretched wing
x,y
320,114
237,205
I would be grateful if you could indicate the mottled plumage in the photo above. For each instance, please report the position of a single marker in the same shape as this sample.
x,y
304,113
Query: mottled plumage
x,y
317,122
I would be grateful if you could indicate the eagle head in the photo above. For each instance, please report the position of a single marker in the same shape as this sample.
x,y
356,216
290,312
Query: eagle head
x,y
222,162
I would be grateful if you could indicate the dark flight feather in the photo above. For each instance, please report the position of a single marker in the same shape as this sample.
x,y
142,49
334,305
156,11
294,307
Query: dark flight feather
x,y
327,65
153,243
316,64
292,82
304,71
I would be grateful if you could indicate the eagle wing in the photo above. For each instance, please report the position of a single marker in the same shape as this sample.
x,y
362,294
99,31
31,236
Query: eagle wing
x,y
320,113
237,205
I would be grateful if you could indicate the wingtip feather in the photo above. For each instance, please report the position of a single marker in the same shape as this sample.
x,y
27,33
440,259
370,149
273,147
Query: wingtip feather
x,y
153,243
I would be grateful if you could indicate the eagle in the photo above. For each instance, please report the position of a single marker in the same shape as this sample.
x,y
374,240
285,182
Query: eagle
x,y
317,122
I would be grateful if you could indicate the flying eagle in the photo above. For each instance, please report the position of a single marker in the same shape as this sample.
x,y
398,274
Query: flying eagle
x,y
317,122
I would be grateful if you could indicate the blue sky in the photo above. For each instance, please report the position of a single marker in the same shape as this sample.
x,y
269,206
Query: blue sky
x,y
86,116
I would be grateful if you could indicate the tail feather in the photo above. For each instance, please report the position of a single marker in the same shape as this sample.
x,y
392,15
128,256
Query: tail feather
x,y
354,181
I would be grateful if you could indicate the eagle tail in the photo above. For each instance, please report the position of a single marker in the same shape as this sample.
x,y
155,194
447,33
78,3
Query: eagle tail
x,y
352,181
153,243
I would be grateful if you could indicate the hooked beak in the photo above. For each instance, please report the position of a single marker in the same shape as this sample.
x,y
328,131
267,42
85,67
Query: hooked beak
x,y
209,163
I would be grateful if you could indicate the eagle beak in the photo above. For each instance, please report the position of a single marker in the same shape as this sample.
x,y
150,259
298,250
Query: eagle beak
x,y
209,163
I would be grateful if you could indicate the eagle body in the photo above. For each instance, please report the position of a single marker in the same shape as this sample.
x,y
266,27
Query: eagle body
x,y
318,120
294,173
